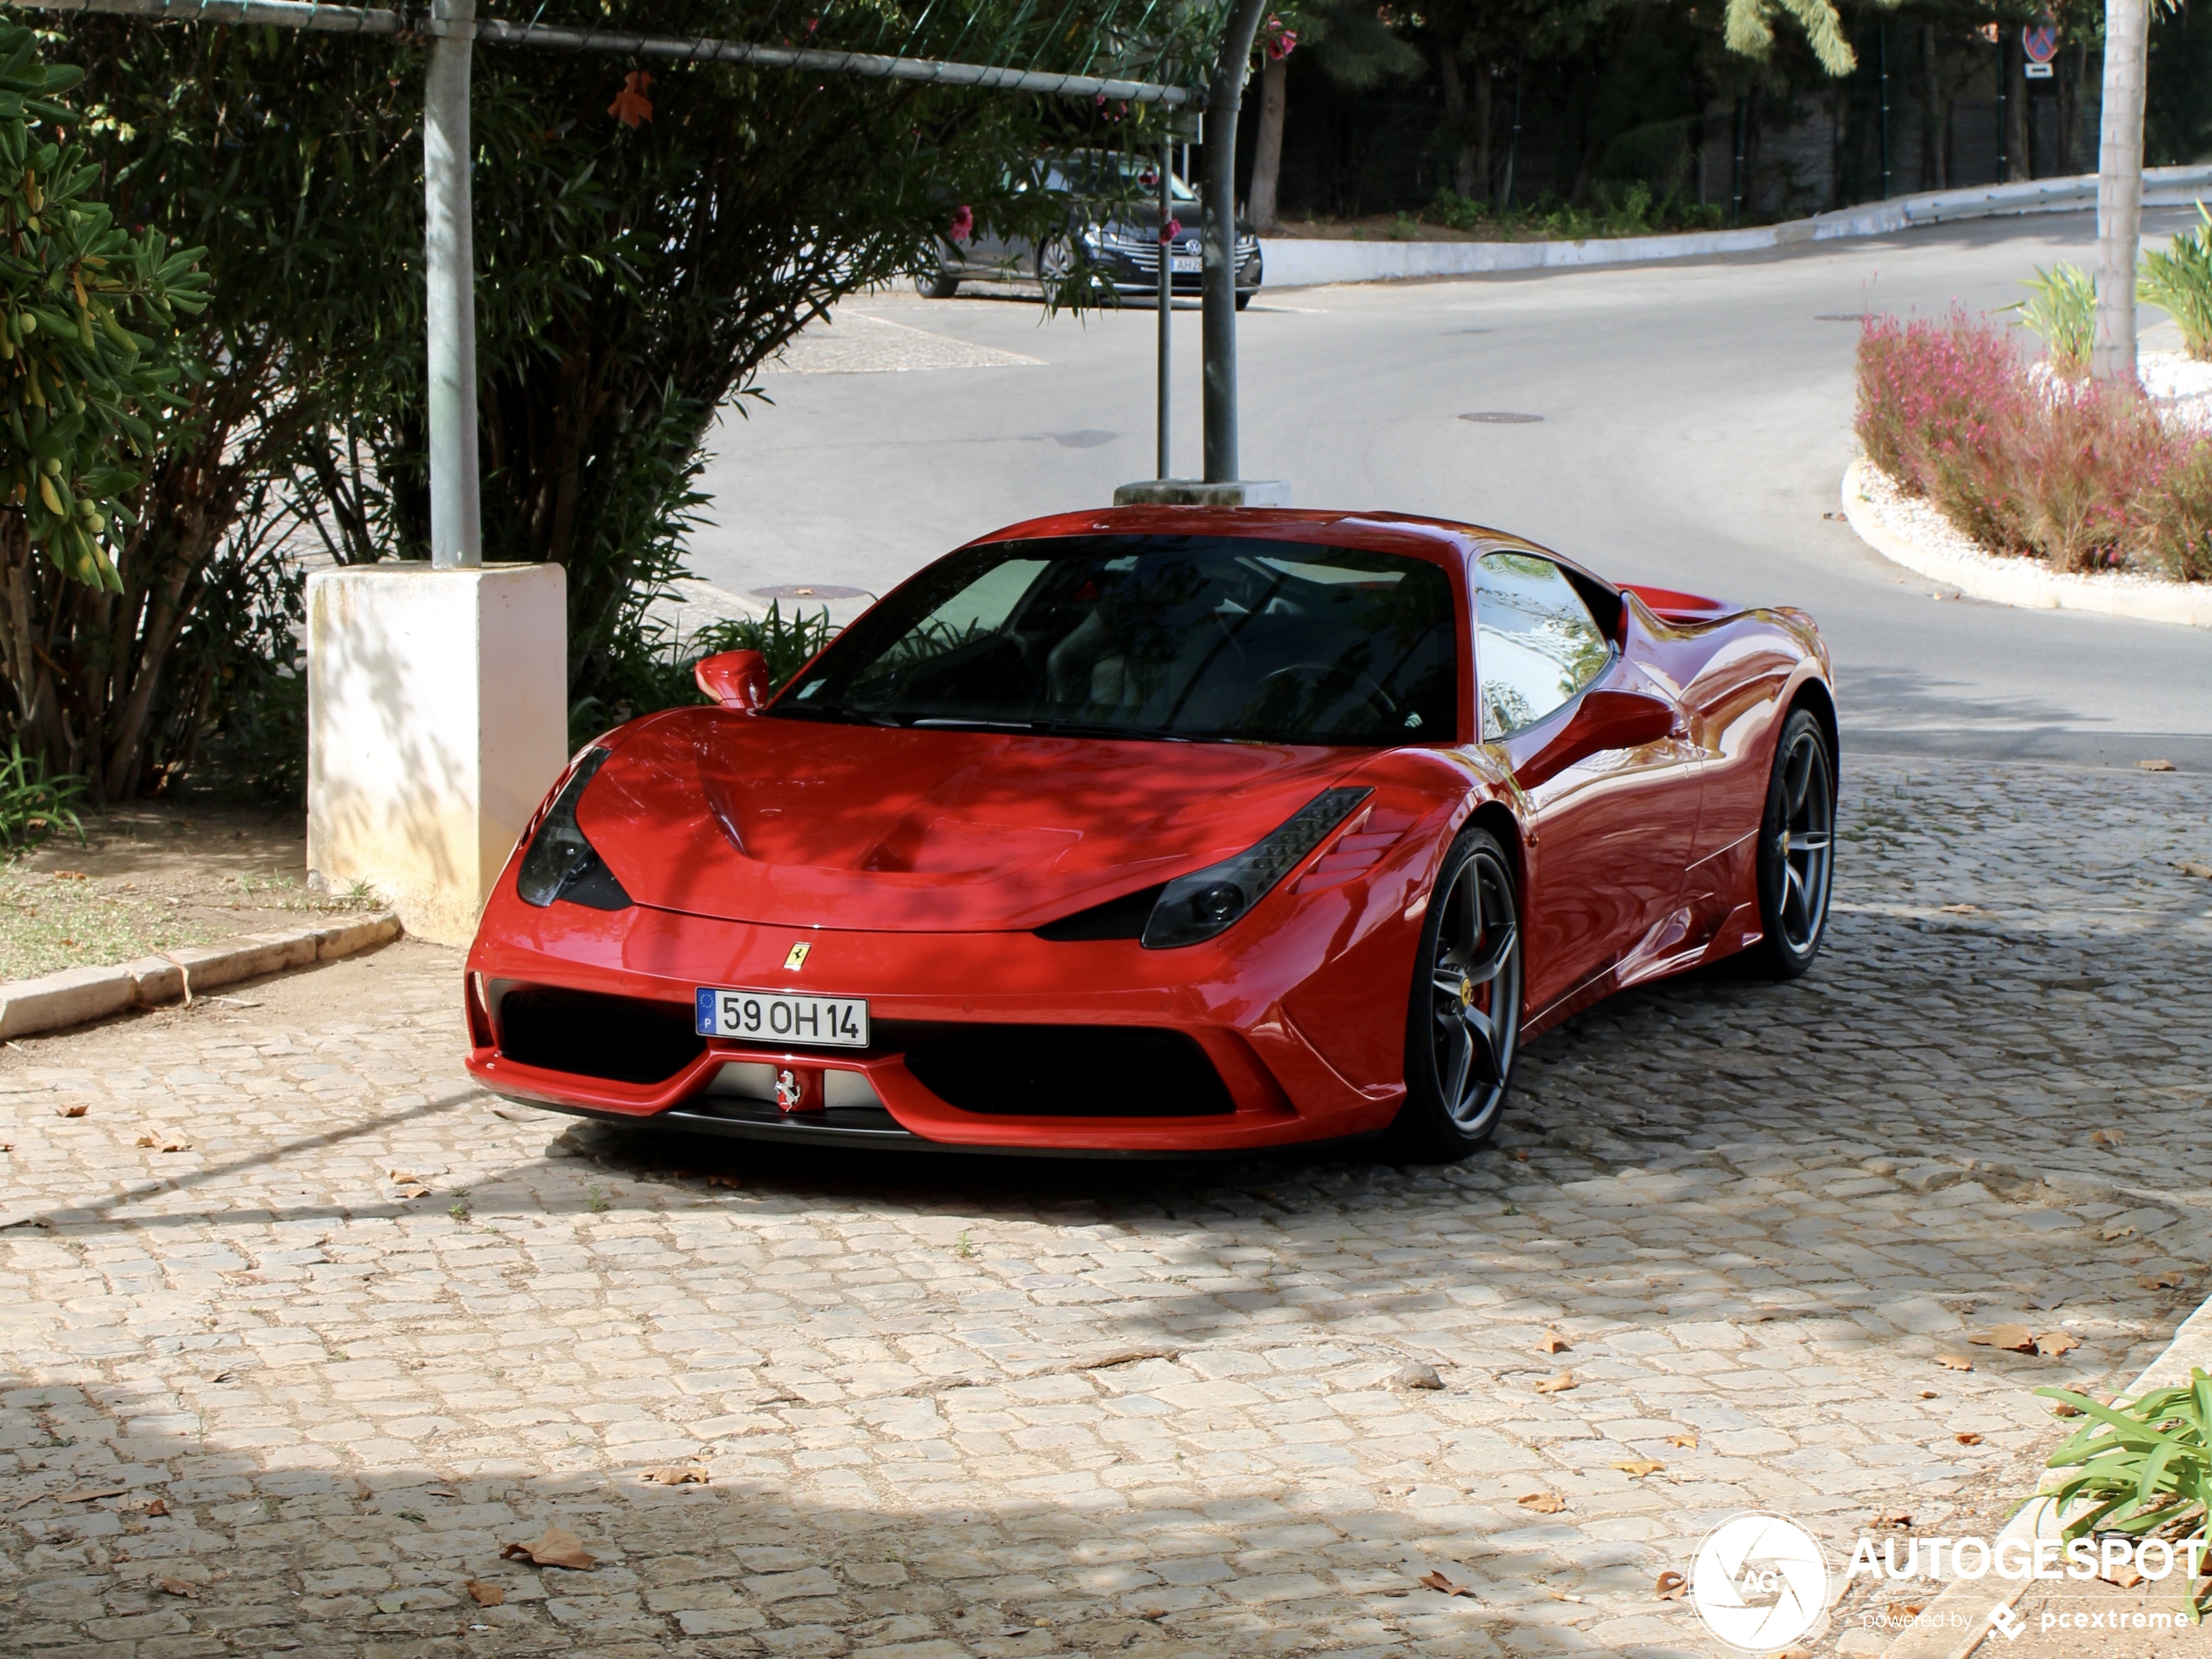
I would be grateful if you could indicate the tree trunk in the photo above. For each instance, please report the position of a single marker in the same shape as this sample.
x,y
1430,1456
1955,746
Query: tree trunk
x,y
2014,64
2120,191
1931,121
1484,117
1455,117
1267,150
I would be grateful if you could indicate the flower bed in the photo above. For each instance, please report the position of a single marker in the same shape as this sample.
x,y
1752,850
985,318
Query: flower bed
x,y
2084,476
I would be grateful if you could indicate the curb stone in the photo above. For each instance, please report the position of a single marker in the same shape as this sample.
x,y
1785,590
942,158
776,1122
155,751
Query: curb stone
x,y
2030,585
1302,262
1934,1638
79,995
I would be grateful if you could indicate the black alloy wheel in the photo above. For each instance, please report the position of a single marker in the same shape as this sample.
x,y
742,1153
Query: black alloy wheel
x,y
1055,263
1463,1028
1797,847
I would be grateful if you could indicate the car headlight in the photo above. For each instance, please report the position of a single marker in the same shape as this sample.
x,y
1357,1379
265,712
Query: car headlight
x,y
560,863
1198,905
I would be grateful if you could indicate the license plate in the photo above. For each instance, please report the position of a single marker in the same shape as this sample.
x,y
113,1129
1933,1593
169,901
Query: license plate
x,y
778,1017
1185,264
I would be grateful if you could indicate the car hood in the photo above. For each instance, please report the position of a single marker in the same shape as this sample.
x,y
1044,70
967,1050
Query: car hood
x,y
805,823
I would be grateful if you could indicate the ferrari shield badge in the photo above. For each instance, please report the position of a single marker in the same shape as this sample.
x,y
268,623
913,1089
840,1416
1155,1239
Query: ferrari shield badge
x,y
797,960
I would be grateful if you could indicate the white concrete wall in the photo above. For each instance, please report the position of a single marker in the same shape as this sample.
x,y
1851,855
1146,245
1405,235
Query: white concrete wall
x,y
437,718
1298,262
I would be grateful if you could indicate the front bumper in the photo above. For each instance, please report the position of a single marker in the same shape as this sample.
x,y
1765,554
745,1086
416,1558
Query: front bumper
x,y
1136,271
1227,998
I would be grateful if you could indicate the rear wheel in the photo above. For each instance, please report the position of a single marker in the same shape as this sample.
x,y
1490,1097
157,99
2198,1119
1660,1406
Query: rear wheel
x,y
939,286
1464,1025
1796,846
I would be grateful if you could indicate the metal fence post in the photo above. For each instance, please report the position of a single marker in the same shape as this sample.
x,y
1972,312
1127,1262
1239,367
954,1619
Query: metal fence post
x,y
1218,327
456,537
1167,299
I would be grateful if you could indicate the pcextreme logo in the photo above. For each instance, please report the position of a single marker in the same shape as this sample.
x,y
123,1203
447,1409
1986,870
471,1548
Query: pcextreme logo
x,y
1760,1582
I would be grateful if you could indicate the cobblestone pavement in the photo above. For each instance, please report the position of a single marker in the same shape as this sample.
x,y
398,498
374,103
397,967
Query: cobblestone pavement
x,y
993,1407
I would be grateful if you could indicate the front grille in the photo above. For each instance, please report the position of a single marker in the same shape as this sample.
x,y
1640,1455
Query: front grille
x,y
1065,1070
621,1039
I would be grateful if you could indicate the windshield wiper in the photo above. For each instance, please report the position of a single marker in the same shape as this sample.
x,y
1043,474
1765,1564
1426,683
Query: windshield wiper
x,y
1099,729
834,711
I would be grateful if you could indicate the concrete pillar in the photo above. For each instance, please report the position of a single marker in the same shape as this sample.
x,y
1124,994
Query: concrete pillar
x,y
437,718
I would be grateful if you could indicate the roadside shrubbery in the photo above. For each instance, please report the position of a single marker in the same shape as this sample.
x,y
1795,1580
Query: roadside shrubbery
x,y
2077,473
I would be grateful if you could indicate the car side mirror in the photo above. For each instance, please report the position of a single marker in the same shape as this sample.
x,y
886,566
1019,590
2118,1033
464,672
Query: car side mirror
x,y
736,679
1603,720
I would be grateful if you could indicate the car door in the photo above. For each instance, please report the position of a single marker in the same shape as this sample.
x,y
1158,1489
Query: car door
x,y
1605,765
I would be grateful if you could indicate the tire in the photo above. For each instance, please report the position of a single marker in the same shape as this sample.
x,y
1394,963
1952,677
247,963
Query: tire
x,y
941,287
1056,261
1463,1020
1796,847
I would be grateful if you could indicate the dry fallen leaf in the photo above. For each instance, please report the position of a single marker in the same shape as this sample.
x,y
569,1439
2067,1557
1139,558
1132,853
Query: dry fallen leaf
x,y
1544,1503
2169,1278
1636,1468
1890,1520
2064,1410
410,1189
724,1180
1955,1361
1671,1587
1558,1384
558,1548
1960,909
2107,1136
71,1111
1521,1156
156,1507
2191,866
178,1587
2155,766
1900,1611
2126,1577
87,1495
484,1594
1551,1342
1967,1438
2052,1343
1930,1393
1438,1582
2018,1339
1687,1442
677,1474
164,1142
2113,1234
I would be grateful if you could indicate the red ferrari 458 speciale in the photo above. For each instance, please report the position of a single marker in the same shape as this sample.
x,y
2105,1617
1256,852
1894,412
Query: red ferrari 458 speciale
x,y
1166,831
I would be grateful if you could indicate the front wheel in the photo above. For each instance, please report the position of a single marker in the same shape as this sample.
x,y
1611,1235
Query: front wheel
x,y
936,285
1463,1028
1796,846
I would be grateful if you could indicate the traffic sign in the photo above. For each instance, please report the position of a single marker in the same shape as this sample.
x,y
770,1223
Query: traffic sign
x,y
2039,40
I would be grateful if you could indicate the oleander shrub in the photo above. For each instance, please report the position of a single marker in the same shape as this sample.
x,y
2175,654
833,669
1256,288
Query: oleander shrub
x,y
2078,466
1933,394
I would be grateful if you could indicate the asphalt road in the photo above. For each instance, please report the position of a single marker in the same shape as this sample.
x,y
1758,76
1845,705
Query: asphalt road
x,y
1695,424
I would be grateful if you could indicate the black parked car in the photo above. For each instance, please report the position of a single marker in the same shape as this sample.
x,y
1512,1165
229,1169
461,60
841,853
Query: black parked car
x,y
1115,216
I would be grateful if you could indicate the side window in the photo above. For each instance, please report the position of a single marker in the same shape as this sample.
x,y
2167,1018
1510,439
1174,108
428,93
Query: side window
x,y
1535,642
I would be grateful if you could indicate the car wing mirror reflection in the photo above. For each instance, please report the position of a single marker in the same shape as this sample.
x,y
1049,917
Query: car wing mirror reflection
x,y
736,679
1602,720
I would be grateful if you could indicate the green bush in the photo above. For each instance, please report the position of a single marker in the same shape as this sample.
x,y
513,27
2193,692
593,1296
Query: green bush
x,y
2063,315
2180,282
2140,1466
658,674
32,805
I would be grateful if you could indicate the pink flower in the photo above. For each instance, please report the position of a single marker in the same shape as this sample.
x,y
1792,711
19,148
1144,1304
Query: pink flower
x,y
963,225
1169,231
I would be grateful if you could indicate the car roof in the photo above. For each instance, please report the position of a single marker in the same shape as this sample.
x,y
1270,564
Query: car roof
x,y
1441,541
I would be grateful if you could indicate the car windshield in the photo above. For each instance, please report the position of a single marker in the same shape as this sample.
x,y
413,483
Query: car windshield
x,y
1196,638
1104,175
